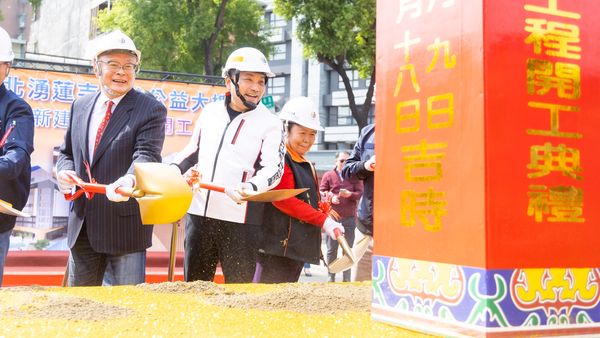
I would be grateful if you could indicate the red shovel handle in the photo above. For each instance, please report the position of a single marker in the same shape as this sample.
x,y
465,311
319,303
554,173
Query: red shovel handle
x,y
96,188
337,232
212,187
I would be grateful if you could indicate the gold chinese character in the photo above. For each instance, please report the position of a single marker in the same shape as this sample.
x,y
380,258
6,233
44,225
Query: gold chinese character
x,y
425,158
554,109
427,207
406,44
413,78
449,60
544,75
546,159
440,111
552,9
562,203
413,116
557,38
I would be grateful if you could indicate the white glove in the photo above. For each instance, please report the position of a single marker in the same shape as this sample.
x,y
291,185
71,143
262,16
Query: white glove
x,y
330,225
127,181
370,164
65,183
239,192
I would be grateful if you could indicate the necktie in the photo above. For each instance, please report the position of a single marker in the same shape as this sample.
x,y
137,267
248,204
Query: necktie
x,y
103,124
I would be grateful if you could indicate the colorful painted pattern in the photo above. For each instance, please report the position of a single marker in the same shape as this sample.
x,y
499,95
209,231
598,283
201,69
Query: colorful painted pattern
x,y
489,300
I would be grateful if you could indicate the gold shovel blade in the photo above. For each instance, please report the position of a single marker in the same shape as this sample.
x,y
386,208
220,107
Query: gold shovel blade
x,y
340,264
6,208
361,247
346,261
166,195
272,195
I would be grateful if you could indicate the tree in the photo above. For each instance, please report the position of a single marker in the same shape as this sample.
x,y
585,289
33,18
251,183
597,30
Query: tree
x,y
192,36
340,34
41,244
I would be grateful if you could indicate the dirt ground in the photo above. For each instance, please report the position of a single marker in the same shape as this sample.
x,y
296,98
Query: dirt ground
x,y
325,298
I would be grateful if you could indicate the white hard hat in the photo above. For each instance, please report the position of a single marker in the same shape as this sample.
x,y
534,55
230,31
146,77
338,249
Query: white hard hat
x,y
247,59
301,110
115,40
6,53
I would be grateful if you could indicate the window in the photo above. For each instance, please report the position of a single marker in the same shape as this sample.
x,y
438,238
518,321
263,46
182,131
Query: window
x,y
276,85
353,77
94,28
279,52
344,116
276,21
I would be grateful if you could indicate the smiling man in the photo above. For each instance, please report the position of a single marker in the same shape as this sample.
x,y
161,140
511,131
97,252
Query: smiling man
x,y
110,130
237,144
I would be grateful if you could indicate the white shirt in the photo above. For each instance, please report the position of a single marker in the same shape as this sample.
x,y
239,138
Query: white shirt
x,y
96,118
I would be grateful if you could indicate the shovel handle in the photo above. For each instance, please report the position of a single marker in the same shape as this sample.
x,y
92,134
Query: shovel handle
x,y
337,233
101,188
212,187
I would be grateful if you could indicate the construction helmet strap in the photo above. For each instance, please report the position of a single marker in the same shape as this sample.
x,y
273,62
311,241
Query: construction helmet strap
x,y
234,75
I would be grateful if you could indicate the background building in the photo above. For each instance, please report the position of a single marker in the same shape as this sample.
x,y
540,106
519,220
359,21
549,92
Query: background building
x,y
16,20
66,40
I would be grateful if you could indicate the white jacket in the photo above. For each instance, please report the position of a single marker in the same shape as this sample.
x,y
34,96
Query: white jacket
x,y
250,148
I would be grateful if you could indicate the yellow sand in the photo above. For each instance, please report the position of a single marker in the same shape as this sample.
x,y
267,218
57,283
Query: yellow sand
x,y
154,314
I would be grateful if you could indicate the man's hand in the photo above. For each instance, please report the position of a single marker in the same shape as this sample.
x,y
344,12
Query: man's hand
x,y
65,183
127,181
345,193
330,225
238,193
370,164
193,177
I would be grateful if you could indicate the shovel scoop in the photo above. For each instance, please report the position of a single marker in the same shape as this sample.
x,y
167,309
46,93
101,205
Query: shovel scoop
x,y
161,192
6,208
347,260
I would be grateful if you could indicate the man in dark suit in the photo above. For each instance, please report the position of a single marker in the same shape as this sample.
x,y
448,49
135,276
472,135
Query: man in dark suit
x,y
110,131
16,129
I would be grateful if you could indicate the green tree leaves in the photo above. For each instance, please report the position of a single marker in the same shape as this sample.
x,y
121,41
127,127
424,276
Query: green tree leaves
x,y
193,36
340,34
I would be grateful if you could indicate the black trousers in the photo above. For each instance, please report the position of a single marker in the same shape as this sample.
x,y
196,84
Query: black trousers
x,y
209,241
276,269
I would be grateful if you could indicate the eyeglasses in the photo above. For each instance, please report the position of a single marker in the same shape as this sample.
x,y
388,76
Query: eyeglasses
x,y
115,66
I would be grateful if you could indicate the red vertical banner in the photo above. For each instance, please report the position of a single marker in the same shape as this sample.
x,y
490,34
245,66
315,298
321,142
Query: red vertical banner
x,y
542,127
429,186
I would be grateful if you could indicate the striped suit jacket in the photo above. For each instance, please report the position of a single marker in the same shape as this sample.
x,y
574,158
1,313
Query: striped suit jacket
x,y
135,133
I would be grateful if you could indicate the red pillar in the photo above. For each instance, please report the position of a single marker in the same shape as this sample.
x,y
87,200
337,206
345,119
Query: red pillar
x,y
487,204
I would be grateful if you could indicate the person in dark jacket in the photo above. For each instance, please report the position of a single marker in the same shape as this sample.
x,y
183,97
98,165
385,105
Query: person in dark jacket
x,y
361,165
344,195
16,132
291,230
110,130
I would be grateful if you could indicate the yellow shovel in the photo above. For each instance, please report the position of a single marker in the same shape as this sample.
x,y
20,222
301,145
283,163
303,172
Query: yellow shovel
x,y
251,196
162,193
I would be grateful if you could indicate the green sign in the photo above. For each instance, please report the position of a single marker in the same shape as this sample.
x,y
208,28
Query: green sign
x,y
268,101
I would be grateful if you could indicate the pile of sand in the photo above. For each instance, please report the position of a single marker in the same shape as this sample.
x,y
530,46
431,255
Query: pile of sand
x,y
296,297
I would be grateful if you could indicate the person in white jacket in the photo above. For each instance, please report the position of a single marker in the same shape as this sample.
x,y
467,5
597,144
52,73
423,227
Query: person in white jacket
x,y
239,145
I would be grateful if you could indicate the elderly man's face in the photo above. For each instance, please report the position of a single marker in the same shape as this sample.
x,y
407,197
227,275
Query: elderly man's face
x,y
116,72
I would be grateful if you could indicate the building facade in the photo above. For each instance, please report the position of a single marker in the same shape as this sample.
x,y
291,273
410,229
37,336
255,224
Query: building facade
x,y
295,74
